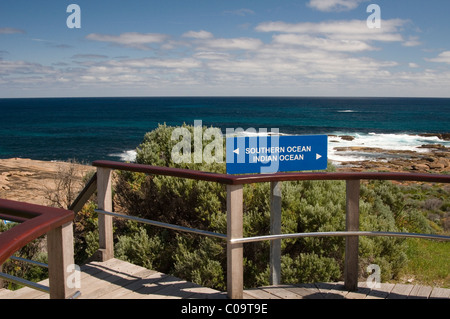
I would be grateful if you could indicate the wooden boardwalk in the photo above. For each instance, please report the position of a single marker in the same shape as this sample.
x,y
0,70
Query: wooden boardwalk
x,y
116,279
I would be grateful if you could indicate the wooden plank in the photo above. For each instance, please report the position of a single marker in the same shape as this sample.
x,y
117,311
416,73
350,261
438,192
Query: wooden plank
x,y
260,294
22,293
307,291
136,289
99,276
332,290
175,290
247,296
420,292
127,290
206,293
116,279
400,291
361,293
115,265
382,292
282,292
439,293
110,284
30,293
167,287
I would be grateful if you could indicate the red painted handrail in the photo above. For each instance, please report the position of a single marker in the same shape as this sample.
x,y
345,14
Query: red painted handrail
x,y
35,221
259,178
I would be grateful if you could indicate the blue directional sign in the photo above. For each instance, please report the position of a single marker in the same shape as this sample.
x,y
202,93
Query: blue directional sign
x,y
271,154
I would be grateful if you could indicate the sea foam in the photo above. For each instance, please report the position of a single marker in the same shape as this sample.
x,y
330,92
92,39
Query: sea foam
x,y
382,141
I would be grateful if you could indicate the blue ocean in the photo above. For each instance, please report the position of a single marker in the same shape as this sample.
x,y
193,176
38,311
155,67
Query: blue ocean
x,y
88,129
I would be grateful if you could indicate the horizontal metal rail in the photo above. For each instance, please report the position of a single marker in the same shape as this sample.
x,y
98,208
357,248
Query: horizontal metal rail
x,y
165,225
338,234
25,282
29,261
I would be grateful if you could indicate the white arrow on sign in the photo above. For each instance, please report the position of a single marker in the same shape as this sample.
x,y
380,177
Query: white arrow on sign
x,y
236,151
318,156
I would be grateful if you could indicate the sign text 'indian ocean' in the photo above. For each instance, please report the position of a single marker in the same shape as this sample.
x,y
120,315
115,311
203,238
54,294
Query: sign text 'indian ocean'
x,y
271,154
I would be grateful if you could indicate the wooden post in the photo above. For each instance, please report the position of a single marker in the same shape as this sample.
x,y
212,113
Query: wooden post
x,y
105,225
351,242
60,258
235,263
275,229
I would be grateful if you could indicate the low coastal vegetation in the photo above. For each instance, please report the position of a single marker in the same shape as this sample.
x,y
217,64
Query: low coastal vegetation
x,y
307,206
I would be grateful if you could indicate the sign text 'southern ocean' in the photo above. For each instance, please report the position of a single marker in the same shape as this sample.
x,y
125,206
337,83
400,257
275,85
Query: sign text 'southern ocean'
x,y
271,154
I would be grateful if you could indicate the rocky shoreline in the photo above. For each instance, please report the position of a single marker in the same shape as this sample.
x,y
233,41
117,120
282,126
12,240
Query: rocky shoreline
x,y
436,160
428,158
31,181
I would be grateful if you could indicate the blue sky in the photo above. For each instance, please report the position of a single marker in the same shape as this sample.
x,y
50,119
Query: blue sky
x,y
224,48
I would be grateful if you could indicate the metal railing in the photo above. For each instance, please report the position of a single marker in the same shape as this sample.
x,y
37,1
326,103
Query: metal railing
x,y
234,236
35,221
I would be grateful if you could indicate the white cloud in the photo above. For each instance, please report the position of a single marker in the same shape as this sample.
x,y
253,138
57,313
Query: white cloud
x,y
129,39
345,29
211,55
23,68
241,12
321,43
334,5
202,34
89,56
11,31
204,40
444,57
412,42
233,44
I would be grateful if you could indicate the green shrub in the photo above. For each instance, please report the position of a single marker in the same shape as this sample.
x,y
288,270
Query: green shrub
x,y
138,247
202,264
307,206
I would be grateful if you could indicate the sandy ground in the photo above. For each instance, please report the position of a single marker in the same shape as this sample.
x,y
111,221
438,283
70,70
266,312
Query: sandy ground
x,y
31,181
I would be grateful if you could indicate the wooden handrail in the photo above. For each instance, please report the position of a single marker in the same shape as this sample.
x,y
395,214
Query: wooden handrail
x,y
37,220
259,178
167,171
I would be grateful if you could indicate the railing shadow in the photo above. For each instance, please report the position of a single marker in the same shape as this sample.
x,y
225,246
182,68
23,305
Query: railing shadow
x,y
150,284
